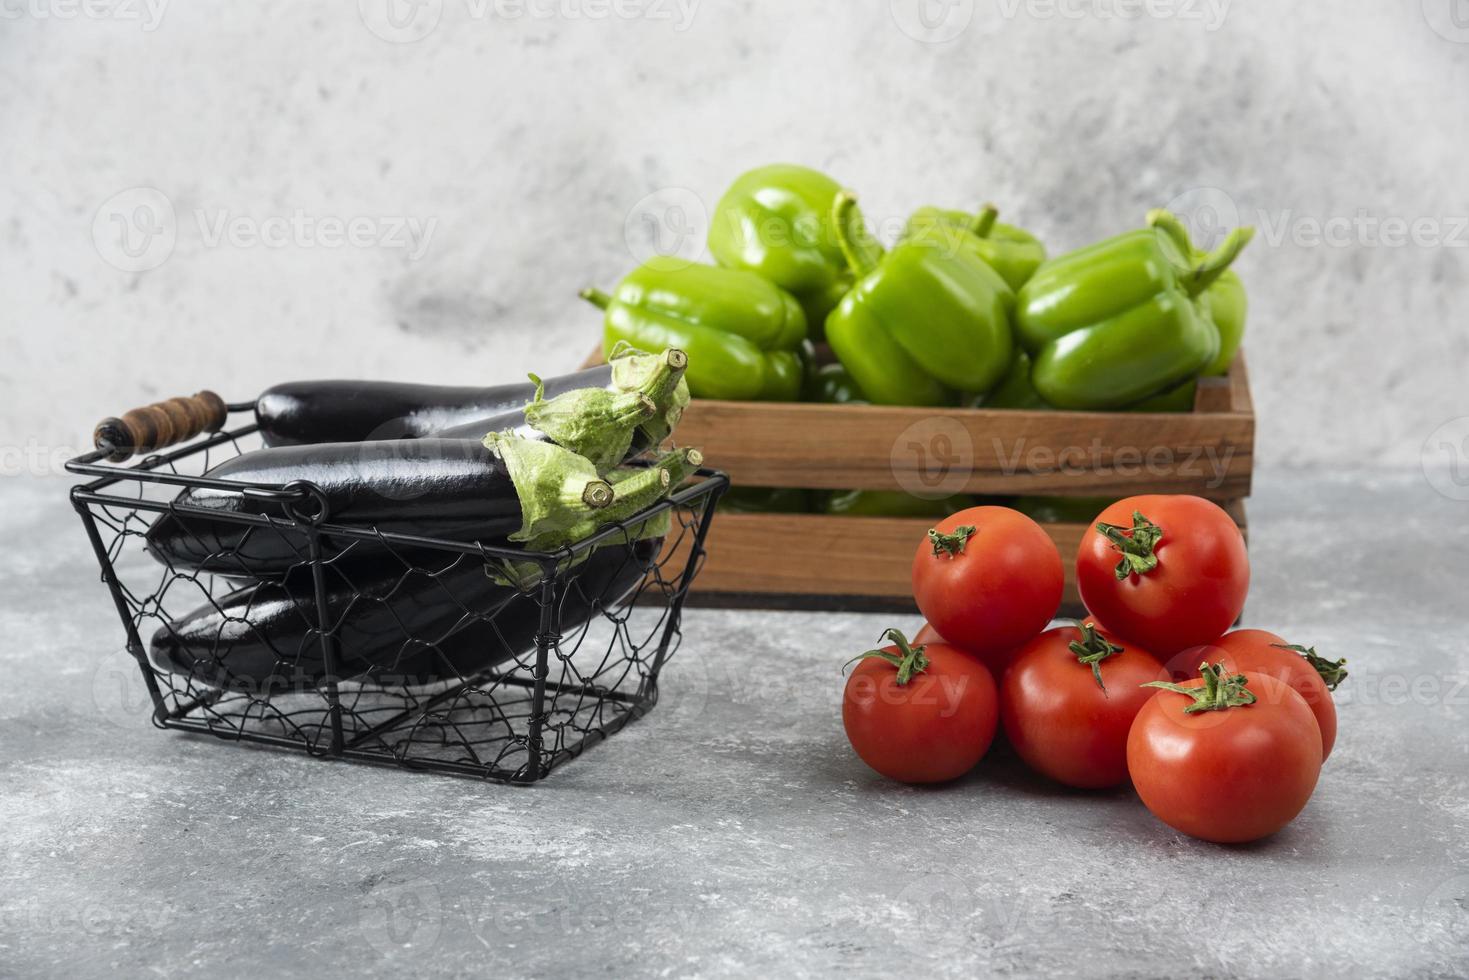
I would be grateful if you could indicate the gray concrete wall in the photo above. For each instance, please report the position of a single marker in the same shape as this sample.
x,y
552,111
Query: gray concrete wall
x,y
529,143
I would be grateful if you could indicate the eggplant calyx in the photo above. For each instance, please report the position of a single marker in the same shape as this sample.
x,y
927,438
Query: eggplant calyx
x,y
634,490
591,422
556,487
658,376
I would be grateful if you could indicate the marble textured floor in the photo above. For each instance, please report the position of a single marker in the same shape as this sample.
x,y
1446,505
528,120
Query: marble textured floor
x,y
732,832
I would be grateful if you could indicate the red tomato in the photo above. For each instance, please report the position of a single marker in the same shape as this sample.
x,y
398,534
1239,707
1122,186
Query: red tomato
x,y
988,579
1258,652
1063,721
998,663
1184,571
1233,774
920,714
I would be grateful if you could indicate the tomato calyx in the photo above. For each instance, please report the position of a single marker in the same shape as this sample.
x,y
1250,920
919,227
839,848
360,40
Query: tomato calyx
x,y
1092,649
1137,545
1333,672
909,659
953,543
1220,691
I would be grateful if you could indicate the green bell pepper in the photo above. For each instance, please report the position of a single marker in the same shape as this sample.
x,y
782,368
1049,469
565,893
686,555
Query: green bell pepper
x,y
1116,322
776,221
923,319
833,384
1015,389
1012,252
1179,399
1227,304
767,500
745,336
1062,510
892,503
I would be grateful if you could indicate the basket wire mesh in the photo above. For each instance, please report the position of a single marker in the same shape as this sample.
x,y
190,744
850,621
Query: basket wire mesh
x,y
395,649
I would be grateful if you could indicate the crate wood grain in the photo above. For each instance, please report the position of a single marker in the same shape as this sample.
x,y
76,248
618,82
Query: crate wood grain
x,y
1208,452
819,561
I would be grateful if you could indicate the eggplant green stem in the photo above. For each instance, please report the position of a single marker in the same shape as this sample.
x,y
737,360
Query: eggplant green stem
x,y
953,543
1138,545
1333,672
1219,692
909,659
659,377
593,422
556,486
862,251
984,222
1092,649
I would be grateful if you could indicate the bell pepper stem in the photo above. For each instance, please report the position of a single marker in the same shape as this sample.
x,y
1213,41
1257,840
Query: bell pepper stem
x,y
909,659
984,222
596,297
1208,269
1169,224
862,251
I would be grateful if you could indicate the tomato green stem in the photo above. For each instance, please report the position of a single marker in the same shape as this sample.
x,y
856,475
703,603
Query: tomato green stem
x,y
1333,672
1092,649
1137,544
953,543
1220,691
909,659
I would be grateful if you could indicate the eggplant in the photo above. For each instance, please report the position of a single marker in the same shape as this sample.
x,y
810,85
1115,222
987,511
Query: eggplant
x,y
310,412
454,489
433,619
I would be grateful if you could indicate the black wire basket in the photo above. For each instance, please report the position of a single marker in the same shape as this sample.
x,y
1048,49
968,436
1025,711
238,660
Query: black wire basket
x,y
390,648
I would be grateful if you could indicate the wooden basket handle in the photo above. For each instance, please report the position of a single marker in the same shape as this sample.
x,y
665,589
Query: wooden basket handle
x,y
161,424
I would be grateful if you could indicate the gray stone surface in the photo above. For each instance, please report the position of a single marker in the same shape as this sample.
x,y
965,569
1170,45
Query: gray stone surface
x,y
733,832
547,144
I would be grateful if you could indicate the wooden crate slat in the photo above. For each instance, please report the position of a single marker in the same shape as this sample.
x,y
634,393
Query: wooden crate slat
x,y
835,562
1207,452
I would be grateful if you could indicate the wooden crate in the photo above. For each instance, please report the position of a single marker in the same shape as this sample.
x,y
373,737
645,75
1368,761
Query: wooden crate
x,y
817,561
